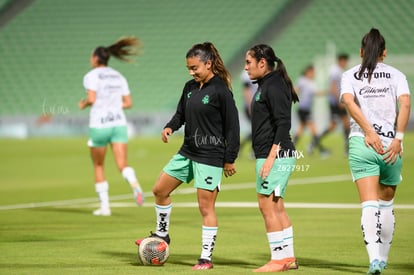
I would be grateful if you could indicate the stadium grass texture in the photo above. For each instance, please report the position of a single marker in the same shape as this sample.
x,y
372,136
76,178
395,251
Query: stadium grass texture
x,y
67,239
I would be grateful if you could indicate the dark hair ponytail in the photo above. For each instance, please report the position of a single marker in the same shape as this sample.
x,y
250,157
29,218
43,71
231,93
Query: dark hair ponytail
x,y
124,47
372,47
265,51
207,51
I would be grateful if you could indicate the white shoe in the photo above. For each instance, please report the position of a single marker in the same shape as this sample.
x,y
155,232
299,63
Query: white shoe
x,y
102,212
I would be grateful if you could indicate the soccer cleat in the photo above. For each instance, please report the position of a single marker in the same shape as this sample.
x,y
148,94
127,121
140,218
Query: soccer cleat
x,y
102,212
166,238
203,264
383,265
138,196
274,266
292,263
374,268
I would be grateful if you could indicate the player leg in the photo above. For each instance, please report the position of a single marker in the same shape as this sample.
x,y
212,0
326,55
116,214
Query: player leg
x,y
365,168
162,189
177,171
101,185
389,179
301,127
274,231
332,123
387,222
97,143
368,189
207,180
287,235
270,194
119,143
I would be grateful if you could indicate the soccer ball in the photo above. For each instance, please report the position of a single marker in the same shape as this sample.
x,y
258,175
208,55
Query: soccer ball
x,y
153,251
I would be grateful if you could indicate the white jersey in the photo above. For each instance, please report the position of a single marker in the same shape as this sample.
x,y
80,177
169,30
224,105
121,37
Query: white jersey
x,y
377,100
110,86
307,90
335,75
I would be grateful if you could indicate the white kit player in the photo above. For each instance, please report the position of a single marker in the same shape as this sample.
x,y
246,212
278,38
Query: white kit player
x,y
377,98
108,94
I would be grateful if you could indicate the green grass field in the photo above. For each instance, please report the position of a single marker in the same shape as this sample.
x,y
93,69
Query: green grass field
x,y
47,227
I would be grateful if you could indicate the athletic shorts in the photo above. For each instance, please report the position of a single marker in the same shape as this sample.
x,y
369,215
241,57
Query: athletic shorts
x,y
365,162
278,177
304,115
205,176
100,137
337,112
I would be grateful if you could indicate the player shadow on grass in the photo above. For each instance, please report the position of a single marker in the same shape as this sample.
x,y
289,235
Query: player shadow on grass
x,y
333,265
189,260
351,268
179,259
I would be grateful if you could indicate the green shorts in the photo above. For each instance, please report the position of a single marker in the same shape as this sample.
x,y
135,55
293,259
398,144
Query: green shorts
x,y
278,177
100,137
205,176
365,162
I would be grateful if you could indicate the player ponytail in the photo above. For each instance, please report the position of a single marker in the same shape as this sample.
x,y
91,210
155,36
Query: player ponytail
x,y
372,49
207,51
266,52
121,49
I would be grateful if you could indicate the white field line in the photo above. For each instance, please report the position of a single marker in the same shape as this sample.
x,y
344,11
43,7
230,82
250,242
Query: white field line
x,y
86,202
242,205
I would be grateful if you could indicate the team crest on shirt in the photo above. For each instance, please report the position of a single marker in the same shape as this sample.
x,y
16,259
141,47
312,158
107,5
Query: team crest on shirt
x,y
189,95
258,95
206,99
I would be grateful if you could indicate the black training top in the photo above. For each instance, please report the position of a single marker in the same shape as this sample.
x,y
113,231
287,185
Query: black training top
x,y
212,130
271,117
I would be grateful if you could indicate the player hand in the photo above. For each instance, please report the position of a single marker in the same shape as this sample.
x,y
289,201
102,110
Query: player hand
x,y
393,151
166,132
266,168
229,169
81,104
372,140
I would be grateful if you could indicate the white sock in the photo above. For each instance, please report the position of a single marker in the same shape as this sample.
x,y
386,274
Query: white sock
x,y
276,245
387,221
163,213
371,228
209,235
129,175
102,189
288,242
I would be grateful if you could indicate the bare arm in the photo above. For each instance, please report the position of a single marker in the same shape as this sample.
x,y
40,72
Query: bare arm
x,y
88,101
395,147
371,137
126,102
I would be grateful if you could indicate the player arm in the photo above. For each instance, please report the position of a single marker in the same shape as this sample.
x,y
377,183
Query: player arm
x,y
280,108
88,101
176,121
231,127
371,137
126,101
270,160
404,112
395,148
